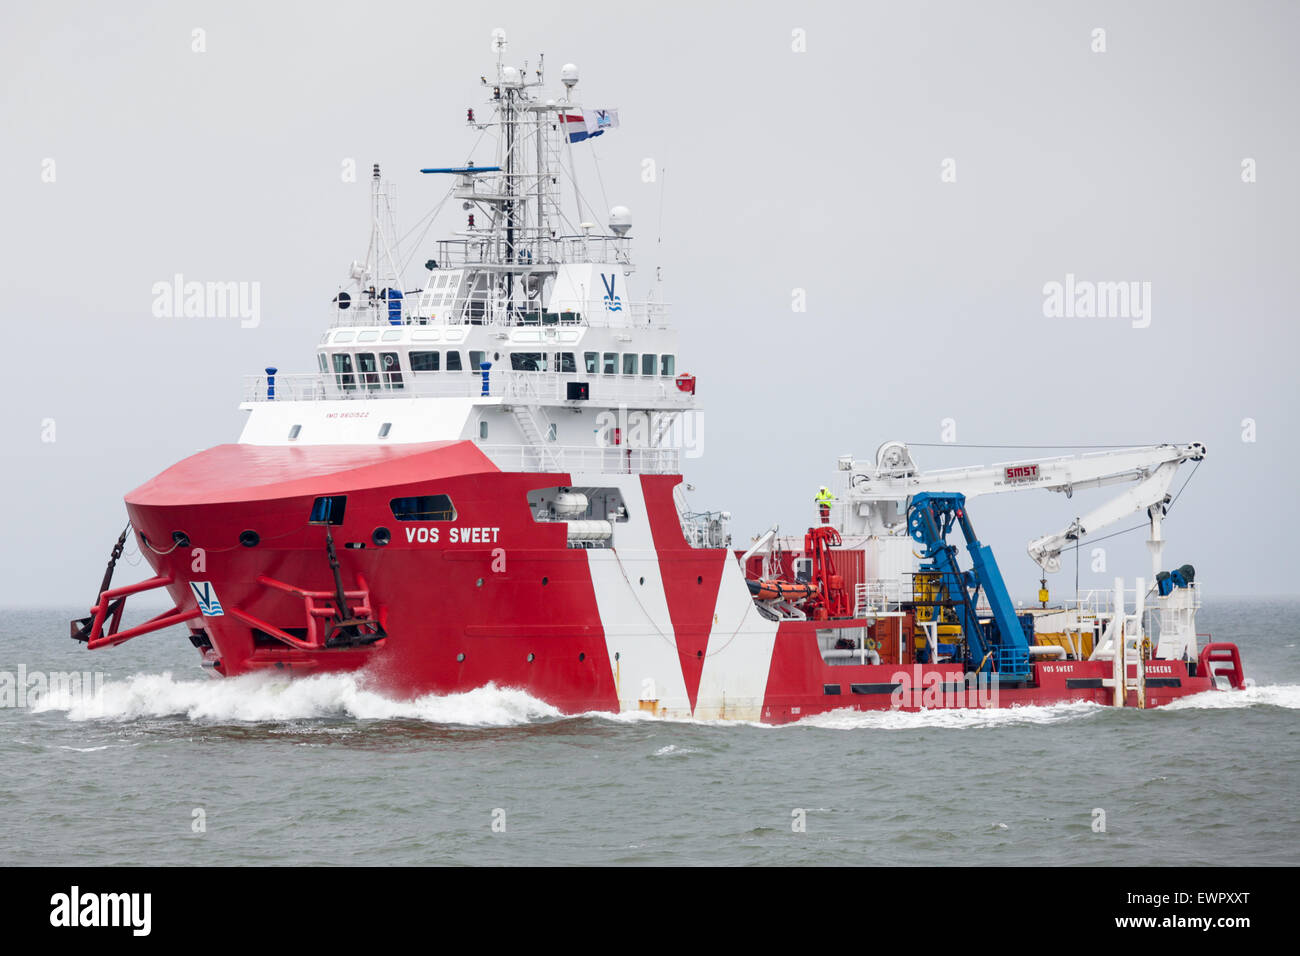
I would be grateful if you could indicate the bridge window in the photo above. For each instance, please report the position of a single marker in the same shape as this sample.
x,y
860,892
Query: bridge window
x,y
423,508
322,361
368,369
591,362
528,361
648,364
611,363
667,365
392,369
453,362
476,360
629,363
424,361
567,363
343,370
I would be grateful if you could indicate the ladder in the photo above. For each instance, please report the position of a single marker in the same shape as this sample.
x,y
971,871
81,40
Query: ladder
x,y
1122,642
535,426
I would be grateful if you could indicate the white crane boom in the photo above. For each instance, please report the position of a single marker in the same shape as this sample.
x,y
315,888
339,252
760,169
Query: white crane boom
x,y
876,496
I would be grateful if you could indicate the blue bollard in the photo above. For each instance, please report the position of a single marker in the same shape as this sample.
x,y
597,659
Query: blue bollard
x,y
485,366
270,383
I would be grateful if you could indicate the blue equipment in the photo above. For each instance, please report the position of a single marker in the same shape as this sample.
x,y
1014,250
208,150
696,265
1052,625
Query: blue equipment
x,y
930,518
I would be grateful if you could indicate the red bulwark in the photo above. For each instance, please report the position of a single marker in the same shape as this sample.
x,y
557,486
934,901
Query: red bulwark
x,y
257,472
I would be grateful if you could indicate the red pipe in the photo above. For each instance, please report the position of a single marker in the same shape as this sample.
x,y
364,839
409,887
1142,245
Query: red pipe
x,y
167,619
271,629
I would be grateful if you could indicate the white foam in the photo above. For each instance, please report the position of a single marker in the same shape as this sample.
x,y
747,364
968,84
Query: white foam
x,y
966,718
672,750
259,698
267,698
1276,695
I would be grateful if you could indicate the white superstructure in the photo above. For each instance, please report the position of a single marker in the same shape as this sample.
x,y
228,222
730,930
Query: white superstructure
x,y
528,335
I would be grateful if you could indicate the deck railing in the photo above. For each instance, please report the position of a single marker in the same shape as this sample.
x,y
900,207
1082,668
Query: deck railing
x,y
524,387
585,459
409,311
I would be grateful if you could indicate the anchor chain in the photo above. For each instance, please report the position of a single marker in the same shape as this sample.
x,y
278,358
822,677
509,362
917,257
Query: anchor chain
x,y
81,627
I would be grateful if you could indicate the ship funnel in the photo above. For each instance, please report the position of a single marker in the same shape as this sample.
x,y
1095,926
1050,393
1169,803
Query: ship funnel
x,y
620,220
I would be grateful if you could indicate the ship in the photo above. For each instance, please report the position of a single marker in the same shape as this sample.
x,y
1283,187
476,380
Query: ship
x,y
480,483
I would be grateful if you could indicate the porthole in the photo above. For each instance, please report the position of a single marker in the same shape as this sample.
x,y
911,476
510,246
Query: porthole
x,y
581,657
460,658
545,581
478,583
700,579
531,657
643,582
249,539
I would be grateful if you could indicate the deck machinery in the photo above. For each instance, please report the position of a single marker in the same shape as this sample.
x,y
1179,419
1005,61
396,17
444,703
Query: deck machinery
x,y
1004,645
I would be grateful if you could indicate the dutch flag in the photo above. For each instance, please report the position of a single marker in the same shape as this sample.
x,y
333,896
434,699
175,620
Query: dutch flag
x,y
576,127
588,124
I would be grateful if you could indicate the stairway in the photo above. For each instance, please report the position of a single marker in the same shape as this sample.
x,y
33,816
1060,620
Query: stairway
x,y
534,426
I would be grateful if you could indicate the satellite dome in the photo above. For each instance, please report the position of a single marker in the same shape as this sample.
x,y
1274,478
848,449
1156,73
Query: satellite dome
x,y
509,76
569,76
620,220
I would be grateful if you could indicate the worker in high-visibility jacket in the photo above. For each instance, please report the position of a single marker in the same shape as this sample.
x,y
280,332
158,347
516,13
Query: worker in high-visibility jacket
x,y
824,501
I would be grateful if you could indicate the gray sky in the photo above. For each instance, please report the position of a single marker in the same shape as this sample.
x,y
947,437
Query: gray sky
x,y
778,170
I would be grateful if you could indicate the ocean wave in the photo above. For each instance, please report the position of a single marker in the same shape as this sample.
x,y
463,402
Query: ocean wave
x,y
1275,695
270,699
952,718
258,699
672,750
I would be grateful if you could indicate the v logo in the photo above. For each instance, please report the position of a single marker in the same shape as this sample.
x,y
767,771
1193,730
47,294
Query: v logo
x,y
206,596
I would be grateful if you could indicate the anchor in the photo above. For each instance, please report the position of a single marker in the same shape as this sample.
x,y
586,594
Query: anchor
x,y
345,630
81,627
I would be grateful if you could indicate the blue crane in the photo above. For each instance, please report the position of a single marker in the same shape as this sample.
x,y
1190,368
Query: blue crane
x,y
930,518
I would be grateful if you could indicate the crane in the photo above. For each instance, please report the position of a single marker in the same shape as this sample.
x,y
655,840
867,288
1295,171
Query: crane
x,y
875,501
931,517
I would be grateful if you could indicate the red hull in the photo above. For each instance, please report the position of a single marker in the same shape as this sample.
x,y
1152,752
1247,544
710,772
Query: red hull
x,y
502,598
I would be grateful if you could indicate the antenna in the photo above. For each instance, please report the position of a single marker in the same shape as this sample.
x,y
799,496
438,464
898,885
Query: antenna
x,y
569,77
